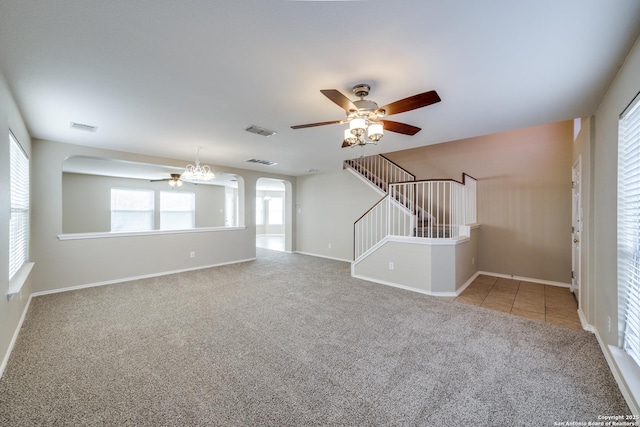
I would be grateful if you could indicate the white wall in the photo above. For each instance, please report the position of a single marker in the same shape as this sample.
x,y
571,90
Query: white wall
x,y
10,311
62,264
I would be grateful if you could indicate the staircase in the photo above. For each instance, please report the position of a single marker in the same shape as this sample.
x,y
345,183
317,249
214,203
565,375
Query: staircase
x,y
432,209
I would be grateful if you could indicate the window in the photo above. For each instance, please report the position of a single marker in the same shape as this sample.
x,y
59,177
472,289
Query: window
x,y
275,211
629,229
131,210
177,210
259,211
19,193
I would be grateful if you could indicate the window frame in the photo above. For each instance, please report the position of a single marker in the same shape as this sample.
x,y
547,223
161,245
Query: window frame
x,y
151,212
628,230
18,182
278,214
192,210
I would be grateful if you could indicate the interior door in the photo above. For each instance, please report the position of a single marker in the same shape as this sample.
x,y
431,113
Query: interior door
x,y
576,228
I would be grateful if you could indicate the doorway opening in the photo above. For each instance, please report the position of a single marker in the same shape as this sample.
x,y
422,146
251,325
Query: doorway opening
x,y
271,227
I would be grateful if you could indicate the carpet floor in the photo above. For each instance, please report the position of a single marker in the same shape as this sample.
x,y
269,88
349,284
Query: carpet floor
x,y
293,340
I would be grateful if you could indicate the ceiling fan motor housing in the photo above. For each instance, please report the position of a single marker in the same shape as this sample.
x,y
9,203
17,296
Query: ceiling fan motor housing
x,y
361,90
365,107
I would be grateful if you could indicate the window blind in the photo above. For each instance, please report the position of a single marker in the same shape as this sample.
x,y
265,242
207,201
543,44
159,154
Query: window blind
x,y
131,209
275,211
19,194
259,211
177,210
629,229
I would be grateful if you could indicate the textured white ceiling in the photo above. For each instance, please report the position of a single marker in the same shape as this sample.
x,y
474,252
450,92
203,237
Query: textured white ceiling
x,y
164,77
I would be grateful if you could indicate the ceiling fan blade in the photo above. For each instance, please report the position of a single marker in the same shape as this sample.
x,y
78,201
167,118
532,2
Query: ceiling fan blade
x,y
411,103
158,180
310,125
398,127
341,100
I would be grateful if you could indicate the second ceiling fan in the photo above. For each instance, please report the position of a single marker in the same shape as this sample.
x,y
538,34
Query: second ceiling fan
x,y
364,116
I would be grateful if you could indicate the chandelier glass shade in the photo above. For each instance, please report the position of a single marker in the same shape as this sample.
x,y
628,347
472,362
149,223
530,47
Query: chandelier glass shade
x,y
198,172
358,127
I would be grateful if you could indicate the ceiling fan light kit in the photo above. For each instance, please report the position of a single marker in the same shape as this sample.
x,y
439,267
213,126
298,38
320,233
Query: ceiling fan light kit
x,y
175,180
365,117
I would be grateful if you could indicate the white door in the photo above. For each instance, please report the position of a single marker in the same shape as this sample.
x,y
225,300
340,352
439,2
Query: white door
x,y
576,228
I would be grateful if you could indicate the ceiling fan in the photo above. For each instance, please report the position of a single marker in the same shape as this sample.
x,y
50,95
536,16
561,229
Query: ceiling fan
x,y
174,181
364,115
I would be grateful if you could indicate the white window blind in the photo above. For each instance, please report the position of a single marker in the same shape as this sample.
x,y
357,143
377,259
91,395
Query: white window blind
x,y
131,209
177,210
629,229
19,221
259,211
275,211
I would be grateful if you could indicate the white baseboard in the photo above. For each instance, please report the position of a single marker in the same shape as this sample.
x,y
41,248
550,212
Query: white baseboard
x,y
407,288
467,283
322,256
14,338
621,373
527,279
585,324
128,279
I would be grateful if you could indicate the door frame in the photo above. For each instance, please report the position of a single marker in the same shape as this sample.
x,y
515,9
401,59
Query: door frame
x,y
576,228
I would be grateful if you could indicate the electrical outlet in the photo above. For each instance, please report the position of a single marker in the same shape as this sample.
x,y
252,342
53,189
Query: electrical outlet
x,y
193,254
609,324
330,245
473,261
391,266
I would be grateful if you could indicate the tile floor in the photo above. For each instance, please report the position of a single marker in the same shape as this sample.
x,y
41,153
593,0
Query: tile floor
x,y
273,242
551,304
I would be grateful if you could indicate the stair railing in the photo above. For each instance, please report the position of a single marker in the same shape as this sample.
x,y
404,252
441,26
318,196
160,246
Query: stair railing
x,y
435,209
385,218
379,170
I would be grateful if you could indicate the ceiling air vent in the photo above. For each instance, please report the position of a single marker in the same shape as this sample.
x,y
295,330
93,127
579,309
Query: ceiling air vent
x,y
262,162
80,126
260,131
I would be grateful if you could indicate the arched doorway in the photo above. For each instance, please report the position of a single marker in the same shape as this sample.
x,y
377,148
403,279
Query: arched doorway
x,y
271,217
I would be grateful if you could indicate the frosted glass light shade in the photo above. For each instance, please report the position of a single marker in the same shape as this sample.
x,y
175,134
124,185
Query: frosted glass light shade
x,y
375,131
357,126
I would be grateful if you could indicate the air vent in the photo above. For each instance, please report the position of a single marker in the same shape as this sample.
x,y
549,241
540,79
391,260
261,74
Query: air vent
x,y
262,162
260,131
80,126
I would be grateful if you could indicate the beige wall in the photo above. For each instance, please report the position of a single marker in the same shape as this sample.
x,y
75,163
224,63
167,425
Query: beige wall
x,y
435,269
86,203
524,195
10,311
328,206
603,259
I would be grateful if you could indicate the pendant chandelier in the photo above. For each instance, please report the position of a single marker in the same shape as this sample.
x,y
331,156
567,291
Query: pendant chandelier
x,y
198,172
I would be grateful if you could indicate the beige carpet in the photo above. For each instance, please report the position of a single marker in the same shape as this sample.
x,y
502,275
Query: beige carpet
x,y
292,340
